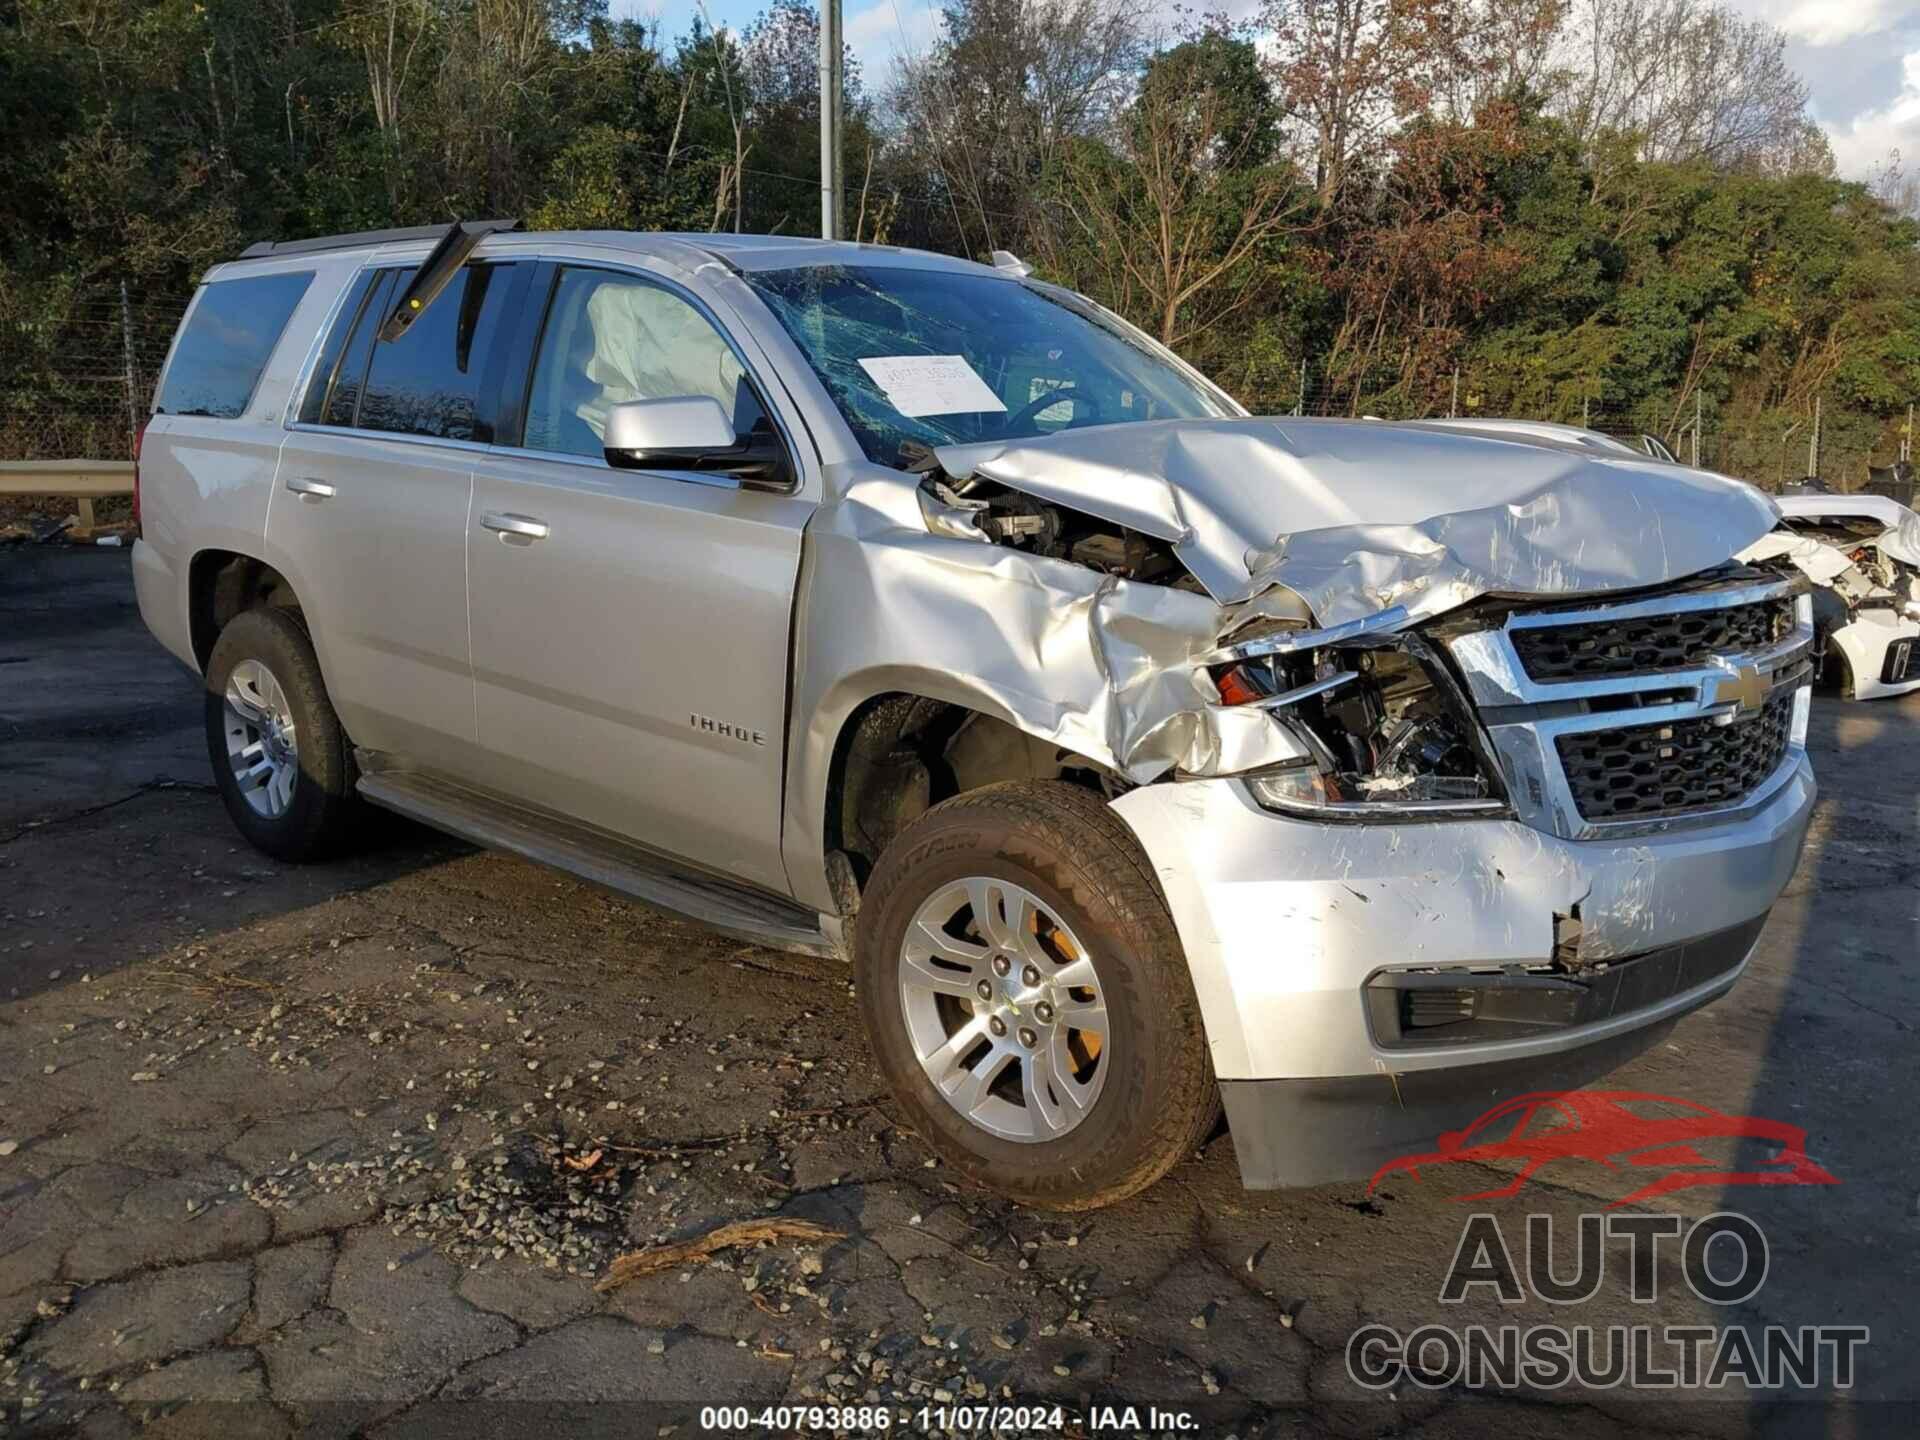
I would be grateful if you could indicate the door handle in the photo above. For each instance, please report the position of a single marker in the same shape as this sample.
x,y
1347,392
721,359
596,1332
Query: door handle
x,y
311,491
512,527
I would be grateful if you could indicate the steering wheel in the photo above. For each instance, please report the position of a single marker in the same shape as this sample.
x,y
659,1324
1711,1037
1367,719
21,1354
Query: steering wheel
x,y
1079,399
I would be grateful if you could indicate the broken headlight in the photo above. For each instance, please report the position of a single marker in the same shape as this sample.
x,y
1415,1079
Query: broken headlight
x,y
1388,729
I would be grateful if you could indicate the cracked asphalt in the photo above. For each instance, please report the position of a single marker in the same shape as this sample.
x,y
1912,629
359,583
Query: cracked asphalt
x,y
343,1149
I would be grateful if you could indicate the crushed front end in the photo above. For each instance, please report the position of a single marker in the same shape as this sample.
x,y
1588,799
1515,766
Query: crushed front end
x,y
1522,839
1466,763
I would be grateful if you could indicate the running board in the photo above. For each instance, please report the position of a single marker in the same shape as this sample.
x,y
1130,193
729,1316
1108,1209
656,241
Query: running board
x,y
603,860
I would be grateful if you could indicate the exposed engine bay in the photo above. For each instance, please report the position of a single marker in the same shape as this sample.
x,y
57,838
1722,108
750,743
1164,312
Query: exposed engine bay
x,y
1039,527
1382,718
1033,525
1369,714
1129,568
1862,553
1873,568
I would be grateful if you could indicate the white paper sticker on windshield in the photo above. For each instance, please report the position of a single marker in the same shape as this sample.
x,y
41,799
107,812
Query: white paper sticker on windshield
x,y
931,384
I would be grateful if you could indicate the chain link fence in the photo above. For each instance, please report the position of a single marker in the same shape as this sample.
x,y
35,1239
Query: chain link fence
x,y
76,380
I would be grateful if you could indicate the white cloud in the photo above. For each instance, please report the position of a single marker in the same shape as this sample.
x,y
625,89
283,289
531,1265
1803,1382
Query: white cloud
x,y
1829,22
1862,144
884,31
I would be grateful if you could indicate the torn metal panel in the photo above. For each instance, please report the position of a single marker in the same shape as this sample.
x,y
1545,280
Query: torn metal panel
x,y
1900,538
1267,516
1858,550
1354,517
1100,666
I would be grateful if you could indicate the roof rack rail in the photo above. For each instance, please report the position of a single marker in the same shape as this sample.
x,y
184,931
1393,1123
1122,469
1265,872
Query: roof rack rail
x,y
359,238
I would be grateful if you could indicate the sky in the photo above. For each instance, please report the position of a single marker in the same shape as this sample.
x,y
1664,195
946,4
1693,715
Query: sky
x,y
1860,58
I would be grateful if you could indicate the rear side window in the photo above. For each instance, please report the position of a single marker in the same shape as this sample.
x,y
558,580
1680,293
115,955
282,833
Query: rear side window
x,y
225,346
334,392
428,381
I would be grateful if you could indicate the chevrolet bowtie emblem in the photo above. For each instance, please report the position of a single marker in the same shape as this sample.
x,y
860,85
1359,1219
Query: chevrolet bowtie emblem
x,y
1746,689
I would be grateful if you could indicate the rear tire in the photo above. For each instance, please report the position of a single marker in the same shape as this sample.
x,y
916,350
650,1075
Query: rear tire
x,y
1101,1079
283,765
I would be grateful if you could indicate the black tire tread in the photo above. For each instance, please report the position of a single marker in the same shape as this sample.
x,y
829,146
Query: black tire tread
x,y
1086,850
326,814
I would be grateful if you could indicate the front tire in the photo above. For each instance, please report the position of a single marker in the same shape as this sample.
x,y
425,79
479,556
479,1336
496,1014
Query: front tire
x,y
1028,999
283,765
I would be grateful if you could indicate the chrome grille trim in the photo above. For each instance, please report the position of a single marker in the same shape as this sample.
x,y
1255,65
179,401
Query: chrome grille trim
x,y
1525,718
1495,675
1634,772
1649,644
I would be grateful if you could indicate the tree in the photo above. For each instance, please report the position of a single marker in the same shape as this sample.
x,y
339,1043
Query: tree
x,y
1422,260
1693,81
781,52
1008,86
1615,201
1176,217
1347,69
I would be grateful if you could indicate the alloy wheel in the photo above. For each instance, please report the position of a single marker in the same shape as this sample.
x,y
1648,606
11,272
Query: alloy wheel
x,y
1004,1010
261,743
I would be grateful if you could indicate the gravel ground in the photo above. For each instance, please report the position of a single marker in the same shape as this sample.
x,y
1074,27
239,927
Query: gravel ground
x,y
344,1149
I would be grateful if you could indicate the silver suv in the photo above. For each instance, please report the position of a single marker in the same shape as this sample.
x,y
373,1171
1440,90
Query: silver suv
x,y
1140,755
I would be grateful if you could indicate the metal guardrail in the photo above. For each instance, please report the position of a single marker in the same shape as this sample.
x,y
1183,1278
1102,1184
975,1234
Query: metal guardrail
x,y
82,479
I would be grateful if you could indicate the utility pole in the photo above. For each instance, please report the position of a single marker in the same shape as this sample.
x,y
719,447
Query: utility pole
x,y
1813,443
1300,403
1453,405
832,58
1696,429
1906,435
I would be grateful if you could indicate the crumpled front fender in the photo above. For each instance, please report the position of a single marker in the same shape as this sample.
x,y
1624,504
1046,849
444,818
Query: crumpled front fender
x,y
1101,667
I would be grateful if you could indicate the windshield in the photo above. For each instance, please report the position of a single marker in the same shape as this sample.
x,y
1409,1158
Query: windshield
x,y
939,358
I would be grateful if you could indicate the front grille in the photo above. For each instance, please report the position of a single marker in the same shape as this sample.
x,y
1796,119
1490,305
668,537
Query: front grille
x,y
1638,771
1651,644
1899,664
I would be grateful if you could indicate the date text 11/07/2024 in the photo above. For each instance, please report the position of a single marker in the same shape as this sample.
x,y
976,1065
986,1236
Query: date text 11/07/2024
x,y
942,1419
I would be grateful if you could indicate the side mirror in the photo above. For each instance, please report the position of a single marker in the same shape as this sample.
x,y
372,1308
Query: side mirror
x,y
692,432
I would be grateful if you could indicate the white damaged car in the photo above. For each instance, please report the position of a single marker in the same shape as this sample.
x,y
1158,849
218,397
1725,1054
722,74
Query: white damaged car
x,y
1862,552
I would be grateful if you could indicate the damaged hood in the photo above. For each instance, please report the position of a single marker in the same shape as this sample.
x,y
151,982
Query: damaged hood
x,y
1357,516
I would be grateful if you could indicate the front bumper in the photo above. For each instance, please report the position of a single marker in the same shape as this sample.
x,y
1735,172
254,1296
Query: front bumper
x,y
1882,652
1285,922
1317,1132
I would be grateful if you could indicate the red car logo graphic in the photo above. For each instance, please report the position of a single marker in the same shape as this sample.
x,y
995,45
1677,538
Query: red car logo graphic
x,y
1622,1130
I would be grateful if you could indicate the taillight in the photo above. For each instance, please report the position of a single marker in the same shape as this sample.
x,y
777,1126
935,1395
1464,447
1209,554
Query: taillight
x,y
138,436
